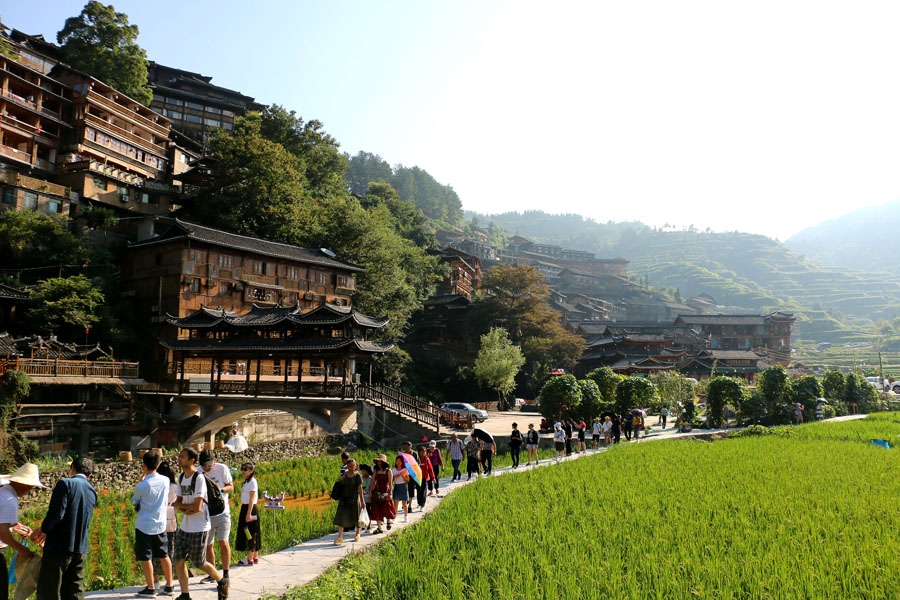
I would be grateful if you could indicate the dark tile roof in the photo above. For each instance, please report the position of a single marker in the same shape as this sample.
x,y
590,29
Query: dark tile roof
x,y
447,299
180,230
11,293
267,316
722,319
268,345
41,347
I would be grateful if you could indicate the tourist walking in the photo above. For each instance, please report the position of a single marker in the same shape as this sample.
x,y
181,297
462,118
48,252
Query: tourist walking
x,y
515,445
473,449
637,423
559,440
427,478
171,522
487,456
437,463
382,494
345,456
663,415
190,539
20,483
365,471
531,444
820,412
616,429
567,429
401,489
151,500
627,425
607,431
220,525
64,533
411,486
350,501
456,448
596,430
249,536
798,413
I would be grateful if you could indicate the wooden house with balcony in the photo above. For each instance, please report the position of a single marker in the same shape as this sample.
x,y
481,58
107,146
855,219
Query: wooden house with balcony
x,y
465,274
769,334
116,153
34,109
187,267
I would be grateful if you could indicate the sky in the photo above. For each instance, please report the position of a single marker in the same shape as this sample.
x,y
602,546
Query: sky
x,y
764,117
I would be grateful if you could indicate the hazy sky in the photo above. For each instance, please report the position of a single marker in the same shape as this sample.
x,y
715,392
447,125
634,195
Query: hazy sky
x,y
757,116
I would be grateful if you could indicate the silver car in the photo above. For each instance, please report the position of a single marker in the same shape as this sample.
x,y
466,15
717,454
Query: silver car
x,y
465,409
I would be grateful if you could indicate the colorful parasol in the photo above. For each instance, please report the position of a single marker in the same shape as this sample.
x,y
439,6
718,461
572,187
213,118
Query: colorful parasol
x,y
412,465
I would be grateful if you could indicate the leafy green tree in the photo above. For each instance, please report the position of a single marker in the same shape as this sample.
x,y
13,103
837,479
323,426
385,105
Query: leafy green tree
x,y
634,392
673,389
29,240
257,187
860,392
498,362
409,222
774,385
607,380
722,391
102,43
560,397
592,404
64,305
15,448
365,168
833,385
806,391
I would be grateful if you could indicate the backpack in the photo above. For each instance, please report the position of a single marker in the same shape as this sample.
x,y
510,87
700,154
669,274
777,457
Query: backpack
x,y
215,500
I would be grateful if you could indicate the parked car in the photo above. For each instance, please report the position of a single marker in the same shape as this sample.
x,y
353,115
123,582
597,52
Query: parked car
x,y
875,381
464,409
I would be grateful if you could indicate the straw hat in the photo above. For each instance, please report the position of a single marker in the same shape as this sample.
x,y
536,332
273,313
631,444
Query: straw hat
x,y
382,458
27,474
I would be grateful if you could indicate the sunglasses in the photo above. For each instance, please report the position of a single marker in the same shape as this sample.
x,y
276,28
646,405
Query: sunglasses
x,y
246,469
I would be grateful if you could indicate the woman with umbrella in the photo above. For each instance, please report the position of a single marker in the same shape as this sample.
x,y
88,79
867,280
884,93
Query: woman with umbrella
x,y
401,491
473,448
488,447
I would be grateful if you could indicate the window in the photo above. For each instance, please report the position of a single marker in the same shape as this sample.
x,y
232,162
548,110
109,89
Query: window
x,y
54,207
9,196
193,119
292,273
195,255
212,122
259,267
30,201
145,198
194,286
228,126
174,101
100,184
173,114
224,289
123,193
90,134
194,105
322,278
261,294
213,110
228,113
226,261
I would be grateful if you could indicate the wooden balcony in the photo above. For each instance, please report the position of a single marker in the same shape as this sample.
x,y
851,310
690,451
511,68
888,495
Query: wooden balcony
x,y
44,367
97,167
18,155
31,183
127,114
116,131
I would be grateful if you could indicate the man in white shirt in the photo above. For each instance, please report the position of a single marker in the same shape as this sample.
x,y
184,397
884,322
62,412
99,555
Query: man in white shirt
x,y
190,539
16,485
220,525
151,499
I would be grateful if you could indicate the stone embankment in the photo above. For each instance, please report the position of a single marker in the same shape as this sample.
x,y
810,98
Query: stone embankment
x,y
122,476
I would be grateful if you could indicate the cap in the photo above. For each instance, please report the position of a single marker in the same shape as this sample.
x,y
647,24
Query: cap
x,y
432,444
206,457
515,424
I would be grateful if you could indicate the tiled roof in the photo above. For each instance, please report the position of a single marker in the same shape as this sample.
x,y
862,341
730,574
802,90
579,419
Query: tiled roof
x,y
722,319
268,345
191,231
42,347
267,316
12,293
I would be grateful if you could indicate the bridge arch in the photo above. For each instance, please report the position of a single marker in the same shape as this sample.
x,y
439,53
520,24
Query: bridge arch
x,y
227,415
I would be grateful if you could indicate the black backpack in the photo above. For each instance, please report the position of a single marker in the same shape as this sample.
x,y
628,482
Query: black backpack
x,y
216,501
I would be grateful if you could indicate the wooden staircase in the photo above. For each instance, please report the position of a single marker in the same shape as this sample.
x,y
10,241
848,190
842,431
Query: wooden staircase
x,y
409,407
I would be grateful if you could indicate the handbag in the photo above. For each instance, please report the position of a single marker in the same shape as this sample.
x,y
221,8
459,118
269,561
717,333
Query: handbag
x,y
363,517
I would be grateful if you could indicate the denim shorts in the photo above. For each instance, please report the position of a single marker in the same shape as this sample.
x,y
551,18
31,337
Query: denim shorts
x,y
401,492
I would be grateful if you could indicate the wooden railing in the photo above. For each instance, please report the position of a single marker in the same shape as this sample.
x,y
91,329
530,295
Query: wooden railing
x,y
43,367
38,185
403,404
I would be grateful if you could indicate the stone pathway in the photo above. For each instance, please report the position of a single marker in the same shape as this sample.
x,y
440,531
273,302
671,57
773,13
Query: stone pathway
x,y
301,564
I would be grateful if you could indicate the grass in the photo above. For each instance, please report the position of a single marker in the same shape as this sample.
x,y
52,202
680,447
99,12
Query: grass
x,y
806,515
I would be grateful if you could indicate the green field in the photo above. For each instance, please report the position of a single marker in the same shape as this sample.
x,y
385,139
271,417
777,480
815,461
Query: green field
x,y
807,514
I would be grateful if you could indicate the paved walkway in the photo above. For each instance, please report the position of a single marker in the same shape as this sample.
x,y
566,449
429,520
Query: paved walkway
x,y
301,564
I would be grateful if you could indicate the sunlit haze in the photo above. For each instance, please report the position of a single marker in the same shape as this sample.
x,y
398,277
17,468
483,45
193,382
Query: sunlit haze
x,y
765,117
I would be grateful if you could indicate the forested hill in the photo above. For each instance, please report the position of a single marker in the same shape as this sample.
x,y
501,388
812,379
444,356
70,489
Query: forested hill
x,y
866,239
742,271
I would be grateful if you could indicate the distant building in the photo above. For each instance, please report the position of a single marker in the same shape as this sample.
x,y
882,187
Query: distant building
x,y
465,274
195,106
770,334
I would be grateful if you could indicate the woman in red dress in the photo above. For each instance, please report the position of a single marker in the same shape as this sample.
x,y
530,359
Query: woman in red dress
x,y
382,501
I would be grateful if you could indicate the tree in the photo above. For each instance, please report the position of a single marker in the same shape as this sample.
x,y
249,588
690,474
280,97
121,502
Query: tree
x,y
860,392
363,169
30,240
66,305
592,404
560,397
409,222
775,390
833,385
102,43
498,362
15,448
607,380
806,391
634,392
673,389
722,391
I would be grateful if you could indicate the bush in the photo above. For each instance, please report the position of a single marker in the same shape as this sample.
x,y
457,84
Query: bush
x,y
722,391
560,397
634,392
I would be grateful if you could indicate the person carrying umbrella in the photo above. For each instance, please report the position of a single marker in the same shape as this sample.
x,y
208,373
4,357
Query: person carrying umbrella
x,y
488,448
473,449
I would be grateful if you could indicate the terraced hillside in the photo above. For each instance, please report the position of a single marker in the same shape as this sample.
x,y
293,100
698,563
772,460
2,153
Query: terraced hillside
x,y
742,271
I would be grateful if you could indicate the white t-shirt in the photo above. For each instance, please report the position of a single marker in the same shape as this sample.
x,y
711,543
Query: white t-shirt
x,y
171,521
559,435
249,486
199,521
607,427
9,507
596,428
398,476
221,476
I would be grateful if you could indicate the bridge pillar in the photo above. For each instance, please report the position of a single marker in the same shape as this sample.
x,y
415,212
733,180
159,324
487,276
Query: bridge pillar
x,y
338,417
208,437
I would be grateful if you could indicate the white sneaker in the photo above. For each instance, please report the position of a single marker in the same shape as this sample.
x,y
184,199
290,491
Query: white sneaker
x,y
406,518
